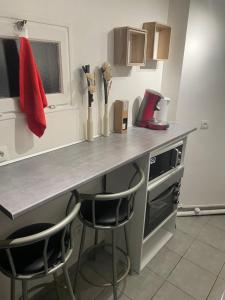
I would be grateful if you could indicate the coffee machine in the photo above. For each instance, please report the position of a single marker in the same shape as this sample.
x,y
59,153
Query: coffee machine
x,y
146,116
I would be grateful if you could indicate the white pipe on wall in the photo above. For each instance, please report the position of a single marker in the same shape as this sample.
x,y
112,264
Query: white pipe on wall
x,y
198,212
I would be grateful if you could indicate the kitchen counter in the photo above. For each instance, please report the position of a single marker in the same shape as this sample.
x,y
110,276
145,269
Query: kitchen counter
x,y
31,182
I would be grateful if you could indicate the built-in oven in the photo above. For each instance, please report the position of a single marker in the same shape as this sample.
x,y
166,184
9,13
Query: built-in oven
x,y
165,160
162,200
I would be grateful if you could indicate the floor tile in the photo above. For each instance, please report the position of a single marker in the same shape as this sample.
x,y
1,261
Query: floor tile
x,y
213,236
190,225
142,286
164,262
180,242
206,256
100,261
86,291
201,240
218,290
50,293
192,279
222,272
107,294
36,288
217,221
170,292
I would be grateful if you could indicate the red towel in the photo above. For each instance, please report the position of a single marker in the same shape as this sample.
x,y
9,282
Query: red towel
x,y
32,94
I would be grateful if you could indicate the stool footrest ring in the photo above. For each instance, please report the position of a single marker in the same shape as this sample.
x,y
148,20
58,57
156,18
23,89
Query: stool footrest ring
x,y
107,284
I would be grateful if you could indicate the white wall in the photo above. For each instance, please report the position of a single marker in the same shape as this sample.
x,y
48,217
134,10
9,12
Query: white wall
x,y
172,69
202,97
91,41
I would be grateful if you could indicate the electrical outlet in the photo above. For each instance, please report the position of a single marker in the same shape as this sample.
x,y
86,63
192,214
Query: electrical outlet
x,y
4,154
204,124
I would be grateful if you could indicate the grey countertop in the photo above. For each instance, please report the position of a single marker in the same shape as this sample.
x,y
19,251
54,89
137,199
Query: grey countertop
x,y
29,183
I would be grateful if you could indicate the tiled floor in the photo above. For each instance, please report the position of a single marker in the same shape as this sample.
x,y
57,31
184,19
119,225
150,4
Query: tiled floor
x,y
190,267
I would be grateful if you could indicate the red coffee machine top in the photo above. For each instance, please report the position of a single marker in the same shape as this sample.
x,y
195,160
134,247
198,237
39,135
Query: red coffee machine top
x,y
148,106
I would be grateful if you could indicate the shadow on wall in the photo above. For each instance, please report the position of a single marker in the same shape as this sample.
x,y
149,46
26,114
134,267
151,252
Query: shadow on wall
x,y
82,87
151,65
99,97
135,109
111,117
78,86
117,71
24,139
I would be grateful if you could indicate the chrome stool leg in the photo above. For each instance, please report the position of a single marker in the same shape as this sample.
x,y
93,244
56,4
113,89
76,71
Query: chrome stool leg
x,y
114,264
95,243
126,240
80,255
68,282
25,289
13,289
127,248
96,236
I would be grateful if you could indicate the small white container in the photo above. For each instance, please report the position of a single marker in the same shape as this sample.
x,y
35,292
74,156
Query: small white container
x,y
162,114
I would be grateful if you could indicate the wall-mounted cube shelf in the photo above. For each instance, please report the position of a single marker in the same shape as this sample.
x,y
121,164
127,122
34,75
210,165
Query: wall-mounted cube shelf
x,y
130,46
158,41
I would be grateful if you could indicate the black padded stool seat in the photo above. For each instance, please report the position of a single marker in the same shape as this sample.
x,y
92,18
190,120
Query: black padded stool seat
x,y
40,250
29,259
105,211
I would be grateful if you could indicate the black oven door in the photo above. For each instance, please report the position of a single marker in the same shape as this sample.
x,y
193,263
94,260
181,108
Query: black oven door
x,y
165,161
158,209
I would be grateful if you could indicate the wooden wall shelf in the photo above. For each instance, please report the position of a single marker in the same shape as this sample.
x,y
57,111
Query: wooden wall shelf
x,y
158,41
130,46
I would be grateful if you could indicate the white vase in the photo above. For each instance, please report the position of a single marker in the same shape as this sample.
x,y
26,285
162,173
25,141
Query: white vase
x,y
106,121
90,133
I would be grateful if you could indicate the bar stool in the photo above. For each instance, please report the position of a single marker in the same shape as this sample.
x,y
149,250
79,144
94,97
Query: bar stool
x,y
109,212
39,250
